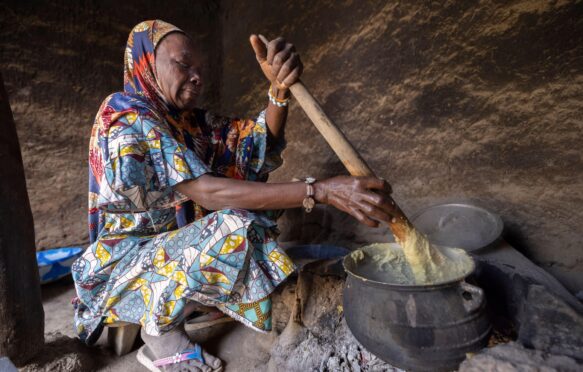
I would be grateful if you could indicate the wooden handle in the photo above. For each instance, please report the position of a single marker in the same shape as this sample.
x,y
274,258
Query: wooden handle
x,y
335,138
347,154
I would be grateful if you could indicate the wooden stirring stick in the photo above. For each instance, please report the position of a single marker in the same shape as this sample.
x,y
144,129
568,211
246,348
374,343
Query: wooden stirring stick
x,y
347,154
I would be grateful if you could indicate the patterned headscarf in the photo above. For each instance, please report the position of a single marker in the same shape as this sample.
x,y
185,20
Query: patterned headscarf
x,y
139,62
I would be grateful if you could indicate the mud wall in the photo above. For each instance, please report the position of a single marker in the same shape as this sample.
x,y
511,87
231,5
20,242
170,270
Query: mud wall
x,y
59,60
460,100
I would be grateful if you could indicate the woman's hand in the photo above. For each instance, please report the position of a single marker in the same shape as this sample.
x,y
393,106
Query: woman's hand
x,y
279,61
355,196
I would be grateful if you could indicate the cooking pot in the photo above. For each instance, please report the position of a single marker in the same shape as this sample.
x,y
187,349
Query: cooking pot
x,y
415,327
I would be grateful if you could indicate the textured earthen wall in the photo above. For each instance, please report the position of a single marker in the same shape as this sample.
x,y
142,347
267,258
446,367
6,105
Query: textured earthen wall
x,y
59,60
455,100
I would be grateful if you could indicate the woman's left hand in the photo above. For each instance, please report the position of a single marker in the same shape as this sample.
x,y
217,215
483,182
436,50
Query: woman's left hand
x,y
279,61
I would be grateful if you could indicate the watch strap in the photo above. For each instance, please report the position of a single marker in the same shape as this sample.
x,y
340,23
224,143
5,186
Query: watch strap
x,y
309,202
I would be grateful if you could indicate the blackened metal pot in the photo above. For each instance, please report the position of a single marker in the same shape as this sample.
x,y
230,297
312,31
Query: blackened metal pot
x,y
416,327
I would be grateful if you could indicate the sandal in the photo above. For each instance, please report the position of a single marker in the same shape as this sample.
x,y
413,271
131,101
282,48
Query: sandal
x,y
206,320
146,358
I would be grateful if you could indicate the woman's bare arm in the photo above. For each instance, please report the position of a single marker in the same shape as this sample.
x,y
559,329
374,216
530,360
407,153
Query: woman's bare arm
x,y
352,195
214,193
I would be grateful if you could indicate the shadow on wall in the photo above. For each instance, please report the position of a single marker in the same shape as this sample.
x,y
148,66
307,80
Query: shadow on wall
x,y
454,100
58,68
451,101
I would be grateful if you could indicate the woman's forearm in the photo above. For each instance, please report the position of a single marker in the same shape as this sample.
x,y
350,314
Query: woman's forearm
x,y
215,193
353,195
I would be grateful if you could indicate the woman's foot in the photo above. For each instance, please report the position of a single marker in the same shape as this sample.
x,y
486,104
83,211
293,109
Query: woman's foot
x,y
176,341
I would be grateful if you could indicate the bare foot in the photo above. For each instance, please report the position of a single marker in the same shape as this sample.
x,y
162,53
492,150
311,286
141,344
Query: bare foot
x,y
176,341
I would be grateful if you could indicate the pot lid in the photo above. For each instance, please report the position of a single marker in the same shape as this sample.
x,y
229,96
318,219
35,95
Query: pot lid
x,y
459,225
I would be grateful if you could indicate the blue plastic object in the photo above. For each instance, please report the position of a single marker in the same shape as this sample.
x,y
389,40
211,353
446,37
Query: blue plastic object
x,y
56,263
303,254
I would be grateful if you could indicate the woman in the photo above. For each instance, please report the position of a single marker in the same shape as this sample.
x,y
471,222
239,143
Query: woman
x,y
178,214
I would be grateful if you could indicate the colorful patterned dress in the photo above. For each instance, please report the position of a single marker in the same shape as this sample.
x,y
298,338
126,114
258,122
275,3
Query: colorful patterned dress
x,y
147,258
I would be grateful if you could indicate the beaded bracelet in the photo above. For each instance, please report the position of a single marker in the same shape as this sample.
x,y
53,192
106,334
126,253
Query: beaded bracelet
x,y
275,100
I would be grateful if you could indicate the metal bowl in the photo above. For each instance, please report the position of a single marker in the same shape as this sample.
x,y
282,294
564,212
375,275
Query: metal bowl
x,y
307,253
459,225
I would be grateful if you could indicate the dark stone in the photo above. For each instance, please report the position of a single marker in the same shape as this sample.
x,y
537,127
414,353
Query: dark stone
x,y
550,325
544,314
506,276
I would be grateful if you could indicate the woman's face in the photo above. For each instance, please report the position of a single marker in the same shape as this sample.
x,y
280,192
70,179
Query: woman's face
x,y
178,70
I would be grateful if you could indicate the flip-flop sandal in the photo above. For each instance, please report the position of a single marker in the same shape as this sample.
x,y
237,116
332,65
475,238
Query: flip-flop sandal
x,y
206,320
146,358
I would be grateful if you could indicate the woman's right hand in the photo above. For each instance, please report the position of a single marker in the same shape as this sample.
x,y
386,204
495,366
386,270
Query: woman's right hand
x,y
356,196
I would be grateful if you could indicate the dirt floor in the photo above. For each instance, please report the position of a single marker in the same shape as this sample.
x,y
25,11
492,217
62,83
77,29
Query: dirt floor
x,y
313,336
320,340
63,352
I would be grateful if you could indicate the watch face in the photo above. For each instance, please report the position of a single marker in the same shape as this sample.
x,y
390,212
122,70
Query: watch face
x,y
310,180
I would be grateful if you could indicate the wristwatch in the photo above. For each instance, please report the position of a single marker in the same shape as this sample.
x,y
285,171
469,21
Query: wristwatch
x,y
309,200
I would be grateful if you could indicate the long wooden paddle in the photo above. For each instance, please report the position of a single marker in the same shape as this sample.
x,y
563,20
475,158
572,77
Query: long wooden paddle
x,y
347,154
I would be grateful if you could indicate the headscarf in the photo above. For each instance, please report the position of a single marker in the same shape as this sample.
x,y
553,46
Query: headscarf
x,y
139,62
140,73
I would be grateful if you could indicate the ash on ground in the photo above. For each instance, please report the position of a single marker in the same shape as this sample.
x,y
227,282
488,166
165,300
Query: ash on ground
x,y
313,333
